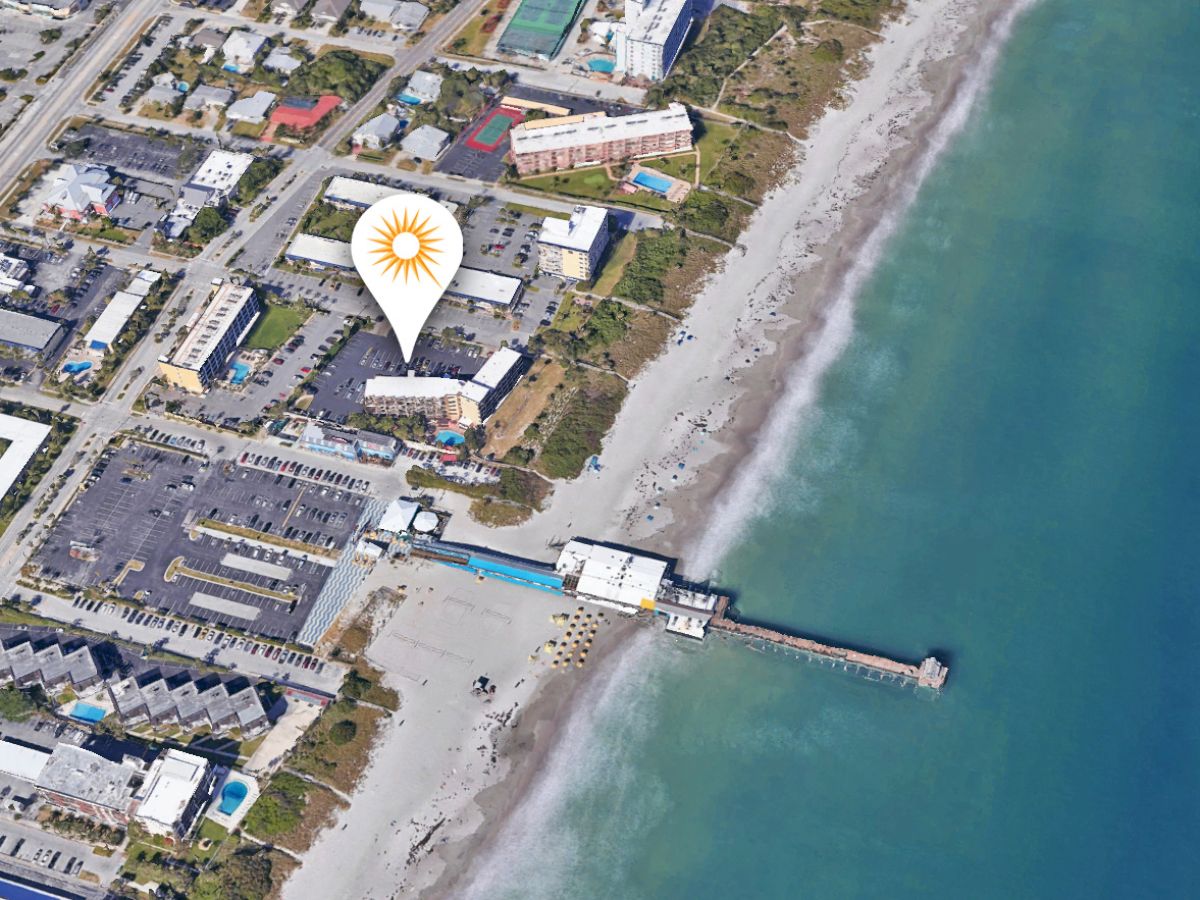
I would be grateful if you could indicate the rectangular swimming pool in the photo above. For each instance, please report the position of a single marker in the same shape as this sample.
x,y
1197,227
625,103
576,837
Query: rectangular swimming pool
x,y
85,712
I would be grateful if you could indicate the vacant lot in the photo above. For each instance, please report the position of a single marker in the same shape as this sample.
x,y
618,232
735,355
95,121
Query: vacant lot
x,y
275,326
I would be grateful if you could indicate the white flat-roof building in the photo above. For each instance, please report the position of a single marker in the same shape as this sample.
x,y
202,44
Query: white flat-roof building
x,y
607,573
480,286
251,109
25,438
426,142
221,171
13,272
399,515
87,783
176,787
422,87
21,762
110,322
595,138
25,332
571,248
214,333
651,36
240,50
321,252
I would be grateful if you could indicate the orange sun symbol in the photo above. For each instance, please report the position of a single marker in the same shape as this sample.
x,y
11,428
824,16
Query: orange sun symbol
x,y
405,245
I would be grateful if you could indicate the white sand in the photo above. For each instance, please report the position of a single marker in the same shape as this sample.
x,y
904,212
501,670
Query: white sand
x,y
751,304
438,751
772,301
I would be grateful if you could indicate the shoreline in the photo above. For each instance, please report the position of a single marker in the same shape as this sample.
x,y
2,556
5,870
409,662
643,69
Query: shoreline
x,y
862,165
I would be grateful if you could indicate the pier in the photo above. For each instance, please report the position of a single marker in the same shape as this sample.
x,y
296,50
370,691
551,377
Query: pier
x,y
930,673
639,584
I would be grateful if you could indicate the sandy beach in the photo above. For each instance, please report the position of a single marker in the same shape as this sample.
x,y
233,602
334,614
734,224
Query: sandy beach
x,y
451,767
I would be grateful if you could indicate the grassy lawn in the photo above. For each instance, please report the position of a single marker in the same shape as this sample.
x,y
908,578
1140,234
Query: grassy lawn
x,y
713,140
618,258
275,325
594,184
591,184
471,40
681,166
536,211
327,221
249,129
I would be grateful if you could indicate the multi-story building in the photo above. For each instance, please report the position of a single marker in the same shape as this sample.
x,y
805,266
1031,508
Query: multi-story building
x,y
454,400
47,662
188,702
597,138
176,788
651,36
86,783
214,333
571,248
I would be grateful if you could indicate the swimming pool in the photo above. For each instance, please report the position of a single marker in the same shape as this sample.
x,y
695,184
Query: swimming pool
x,y
232,796
652,182
74,368
240,371
601,65
85,712
450,438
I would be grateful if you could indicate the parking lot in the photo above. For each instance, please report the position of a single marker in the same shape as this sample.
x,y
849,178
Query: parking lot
x,y
338,388
159,159
125,87
46,857
134,525
226,405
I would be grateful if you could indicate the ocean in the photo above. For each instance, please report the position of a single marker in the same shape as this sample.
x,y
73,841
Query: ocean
x,y
1000,466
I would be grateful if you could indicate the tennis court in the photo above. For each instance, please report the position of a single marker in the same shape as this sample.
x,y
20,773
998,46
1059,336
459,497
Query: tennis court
x,y
539,27
490,133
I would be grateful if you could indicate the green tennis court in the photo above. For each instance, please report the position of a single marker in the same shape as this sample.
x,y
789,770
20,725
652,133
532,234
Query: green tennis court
x,y
539,27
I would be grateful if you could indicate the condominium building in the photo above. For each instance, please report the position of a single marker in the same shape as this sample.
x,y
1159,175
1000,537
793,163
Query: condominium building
x,y
651,36
597,138
571,248
214,333
463,402
176,787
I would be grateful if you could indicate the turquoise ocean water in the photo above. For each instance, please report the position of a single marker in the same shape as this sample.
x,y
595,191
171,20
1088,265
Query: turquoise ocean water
x,y
1002,467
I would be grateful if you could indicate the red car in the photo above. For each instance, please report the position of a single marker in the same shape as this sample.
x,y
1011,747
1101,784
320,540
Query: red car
x,y
278,360
306,370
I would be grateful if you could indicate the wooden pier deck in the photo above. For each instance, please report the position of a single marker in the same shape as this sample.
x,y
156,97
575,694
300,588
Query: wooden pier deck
x,y
930,673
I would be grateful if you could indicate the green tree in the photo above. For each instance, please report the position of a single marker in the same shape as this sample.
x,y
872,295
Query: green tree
x,y
207,225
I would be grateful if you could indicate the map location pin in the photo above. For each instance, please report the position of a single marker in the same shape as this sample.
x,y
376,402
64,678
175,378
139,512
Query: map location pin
x,y
407,248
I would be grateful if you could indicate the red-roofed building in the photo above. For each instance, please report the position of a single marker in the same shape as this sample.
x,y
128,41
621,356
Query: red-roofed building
x,y
303,113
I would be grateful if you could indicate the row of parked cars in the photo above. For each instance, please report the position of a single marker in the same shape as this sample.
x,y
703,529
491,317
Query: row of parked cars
x,y
297,469
47,857
221,639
